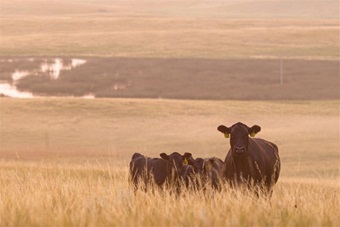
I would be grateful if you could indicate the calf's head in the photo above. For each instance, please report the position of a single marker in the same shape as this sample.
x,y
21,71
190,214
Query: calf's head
x,y
176,161
239,136
198,165
208,162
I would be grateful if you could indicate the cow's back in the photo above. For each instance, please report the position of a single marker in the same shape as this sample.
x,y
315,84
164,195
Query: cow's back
x,y
218,164
137,166
157,168
147,169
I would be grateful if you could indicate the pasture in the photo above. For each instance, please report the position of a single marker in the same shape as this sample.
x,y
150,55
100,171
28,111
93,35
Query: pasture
x,y
171,29
64,161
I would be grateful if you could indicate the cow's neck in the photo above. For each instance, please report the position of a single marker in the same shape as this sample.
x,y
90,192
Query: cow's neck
x,y
243,166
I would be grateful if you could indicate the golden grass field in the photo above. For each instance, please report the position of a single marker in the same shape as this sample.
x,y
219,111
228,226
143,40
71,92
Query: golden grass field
x,y
167,37
177,29
64,162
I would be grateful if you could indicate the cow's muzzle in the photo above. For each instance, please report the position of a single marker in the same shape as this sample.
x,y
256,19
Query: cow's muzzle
x,y
239,150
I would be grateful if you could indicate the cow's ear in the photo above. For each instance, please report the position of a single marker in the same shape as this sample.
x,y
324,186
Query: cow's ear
x,y
164,156
225,130
186,155
253,130
191,161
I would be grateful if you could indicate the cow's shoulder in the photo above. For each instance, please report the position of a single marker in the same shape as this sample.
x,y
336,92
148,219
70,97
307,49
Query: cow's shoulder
x,y
263,151
264,145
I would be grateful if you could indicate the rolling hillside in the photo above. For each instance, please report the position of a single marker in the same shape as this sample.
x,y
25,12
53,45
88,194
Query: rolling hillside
x,y
171,29
177,8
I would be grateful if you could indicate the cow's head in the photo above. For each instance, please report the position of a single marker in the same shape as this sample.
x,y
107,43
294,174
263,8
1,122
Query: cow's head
x,y
197,164
239,136
208,162
176,160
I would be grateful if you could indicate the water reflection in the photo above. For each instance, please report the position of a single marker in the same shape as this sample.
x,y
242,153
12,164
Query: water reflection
x,y
49,68
11,91
53,69
18,75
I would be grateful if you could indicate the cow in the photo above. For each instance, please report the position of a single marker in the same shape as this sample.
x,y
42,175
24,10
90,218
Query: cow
x,y
200,172
164,171
250,161
191,172
212,171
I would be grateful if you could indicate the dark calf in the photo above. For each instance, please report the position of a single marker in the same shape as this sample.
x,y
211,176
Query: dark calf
x,y
202,172
159,171
191,173
213,172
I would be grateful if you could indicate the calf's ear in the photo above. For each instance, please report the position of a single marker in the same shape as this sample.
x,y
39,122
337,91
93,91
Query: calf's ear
x,y
225,130
164,156
253,130
211,161
191,161
186,155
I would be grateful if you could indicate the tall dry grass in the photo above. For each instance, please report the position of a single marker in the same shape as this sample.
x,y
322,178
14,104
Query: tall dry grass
x,y
40,194
64,162
109,130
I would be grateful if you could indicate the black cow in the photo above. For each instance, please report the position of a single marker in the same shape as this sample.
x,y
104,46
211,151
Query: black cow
x,y
250,161
191,172
199,172
188,175
159,171
213,172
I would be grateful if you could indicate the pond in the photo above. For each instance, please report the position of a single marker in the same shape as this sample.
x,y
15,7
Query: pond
x,y
50,68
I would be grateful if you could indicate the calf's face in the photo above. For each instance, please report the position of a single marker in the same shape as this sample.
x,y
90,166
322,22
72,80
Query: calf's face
x,y
208,162
176,160
198,165
239,136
